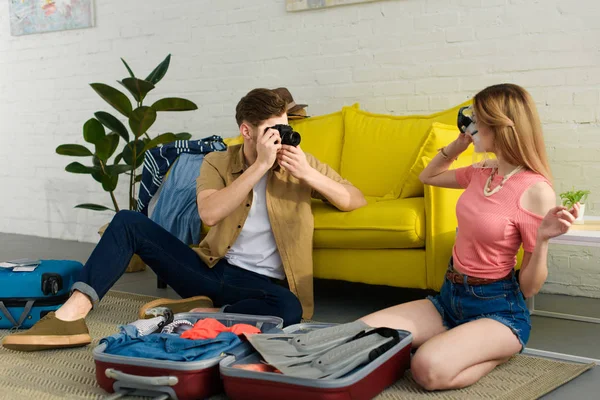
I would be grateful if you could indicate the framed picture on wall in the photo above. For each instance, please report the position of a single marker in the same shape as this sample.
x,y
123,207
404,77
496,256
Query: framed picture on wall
x,y
301,5
37,16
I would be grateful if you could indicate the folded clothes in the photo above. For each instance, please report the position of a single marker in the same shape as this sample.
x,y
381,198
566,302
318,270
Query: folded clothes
x,y
165,346
210,328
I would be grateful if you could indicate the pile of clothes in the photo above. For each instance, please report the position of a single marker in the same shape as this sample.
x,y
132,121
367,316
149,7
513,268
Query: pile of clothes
x,y
176,340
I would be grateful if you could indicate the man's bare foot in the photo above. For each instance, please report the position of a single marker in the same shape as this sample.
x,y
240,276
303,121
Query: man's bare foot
x,y
205,310
75,308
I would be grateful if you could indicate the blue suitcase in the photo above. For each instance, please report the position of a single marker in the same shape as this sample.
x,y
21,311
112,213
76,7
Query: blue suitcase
x,y
25,297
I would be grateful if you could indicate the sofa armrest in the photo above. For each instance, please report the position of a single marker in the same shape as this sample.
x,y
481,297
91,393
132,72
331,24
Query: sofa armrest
x,y
440,231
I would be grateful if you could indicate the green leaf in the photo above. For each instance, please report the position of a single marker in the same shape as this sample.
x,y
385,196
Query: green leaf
x,y
160,139
74,150
113,124
93,131
183,136
128,69
174,104
137,87
128,153
141,120
118,159
98,176
78,168
93,207
107,146
115,98
160,71
109,182
117,169
138,178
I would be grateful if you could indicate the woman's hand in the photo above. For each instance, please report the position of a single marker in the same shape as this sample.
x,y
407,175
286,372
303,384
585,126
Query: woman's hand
x,y
557,222
459,145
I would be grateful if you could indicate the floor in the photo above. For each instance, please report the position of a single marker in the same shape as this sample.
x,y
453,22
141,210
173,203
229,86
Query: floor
x,y
337,302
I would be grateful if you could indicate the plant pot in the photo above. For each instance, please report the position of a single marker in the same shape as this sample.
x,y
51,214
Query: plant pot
x,y
579,219
135,264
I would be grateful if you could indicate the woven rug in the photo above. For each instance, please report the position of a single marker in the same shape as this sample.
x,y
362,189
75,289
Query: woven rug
x,y
70,374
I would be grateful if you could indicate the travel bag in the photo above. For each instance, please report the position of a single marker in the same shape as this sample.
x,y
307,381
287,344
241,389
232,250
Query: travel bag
x,y
27,295
181,380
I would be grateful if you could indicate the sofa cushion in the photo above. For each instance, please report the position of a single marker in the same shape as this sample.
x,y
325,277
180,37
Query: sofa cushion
x,y
232,141
391,224
380,149
439,135
322,137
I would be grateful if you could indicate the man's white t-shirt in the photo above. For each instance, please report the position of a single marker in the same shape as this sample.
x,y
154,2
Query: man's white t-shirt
x,y
255,248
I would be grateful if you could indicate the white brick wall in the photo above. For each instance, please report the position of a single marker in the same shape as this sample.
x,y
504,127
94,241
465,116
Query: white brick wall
x,y
396,56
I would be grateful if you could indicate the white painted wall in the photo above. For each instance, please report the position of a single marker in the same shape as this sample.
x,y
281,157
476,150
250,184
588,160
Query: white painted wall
x,y
396,56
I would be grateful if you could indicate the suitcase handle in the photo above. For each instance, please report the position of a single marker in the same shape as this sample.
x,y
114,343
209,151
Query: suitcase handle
x,y
141,380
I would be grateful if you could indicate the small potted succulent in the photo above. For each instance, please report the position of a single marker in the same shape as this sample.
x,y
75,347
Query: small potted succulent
x,y
573,196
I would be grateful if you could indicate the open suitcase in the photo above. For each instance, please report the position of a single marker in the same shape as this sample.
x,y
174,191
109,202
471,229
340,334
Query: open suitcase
x,y
174,379
25,297
363,383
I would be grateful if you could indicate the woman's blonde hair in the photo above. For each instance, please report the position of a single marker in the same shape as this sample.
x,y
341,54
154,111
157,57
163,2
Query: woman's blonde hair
x,y
510,112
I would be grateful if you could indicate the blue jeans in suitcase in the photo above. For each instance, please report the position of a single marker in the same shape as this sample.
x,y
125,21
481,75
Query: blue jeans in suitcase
x,y
235,289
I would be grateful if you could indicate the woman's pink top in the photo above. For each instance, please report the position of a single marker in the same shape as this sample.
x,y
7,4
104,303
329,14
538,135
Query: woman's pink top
x,y
491,229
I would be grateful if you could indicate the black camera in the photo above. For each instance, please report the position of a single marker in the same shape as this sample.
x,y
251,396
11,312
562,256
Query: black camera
x,y
288,135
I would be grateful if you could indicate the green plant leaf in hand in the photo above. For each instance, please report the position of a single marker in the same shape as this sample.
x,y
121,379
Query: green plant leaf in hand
x,y
159,72
137,87
115,98
112,123
141,120
571,197
74,150
174,104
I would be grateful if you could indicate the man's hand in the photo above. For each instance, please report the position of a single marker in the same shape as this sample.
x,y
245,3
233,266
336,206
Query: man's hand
x,y
268,143
294,161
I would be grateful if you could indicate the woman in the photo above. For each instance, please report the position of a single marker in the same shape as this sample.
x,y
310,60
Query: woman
x,y
480,319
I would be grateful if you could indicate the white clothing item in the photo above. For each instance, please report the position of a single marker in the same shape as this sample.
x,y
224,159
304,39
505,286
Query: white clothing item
x,y
255,248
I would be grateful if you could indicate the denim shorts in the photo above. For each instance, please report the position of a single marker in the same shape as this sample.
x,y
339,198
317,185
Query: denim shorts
x,y
501,301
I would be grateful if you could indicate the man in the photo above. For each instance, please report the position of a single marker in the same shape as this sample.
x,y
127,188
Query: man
x,y
257,199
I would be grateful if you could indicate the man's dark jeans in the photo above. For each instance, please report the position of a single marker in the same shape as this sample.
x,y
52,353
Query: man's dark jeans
x,y
239,290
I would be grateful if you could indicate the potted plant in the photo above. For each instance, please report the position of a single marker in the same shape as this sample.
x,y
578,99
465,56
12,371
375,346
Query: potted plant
x,y
571,197
107,164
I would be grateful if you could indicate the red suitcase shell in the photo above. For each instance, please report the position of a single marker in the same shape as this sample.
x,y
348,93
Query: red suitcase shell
x,y
362,384
180,380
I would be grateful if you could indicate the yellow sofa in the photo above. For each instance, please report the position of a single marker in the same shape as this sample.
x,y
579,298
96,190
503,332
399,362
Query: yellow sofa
x,y
404,236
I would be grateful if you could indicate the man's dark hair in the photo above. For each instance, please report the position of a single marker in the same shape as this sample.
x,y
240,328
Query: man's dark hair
x,y
259,105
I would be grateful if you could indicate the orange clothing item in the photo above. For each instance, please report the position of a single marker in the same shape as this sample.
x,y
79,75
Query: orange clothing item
x,y
209,328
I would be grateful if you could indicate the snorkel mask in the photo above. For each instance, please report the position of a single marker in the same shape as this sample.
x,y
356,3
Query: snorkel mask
x,y
467,124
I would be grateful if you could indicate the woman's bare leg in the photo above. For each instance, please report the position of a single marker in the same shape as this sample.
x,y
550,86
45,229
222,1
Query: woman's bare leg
x,y
463,355
420,317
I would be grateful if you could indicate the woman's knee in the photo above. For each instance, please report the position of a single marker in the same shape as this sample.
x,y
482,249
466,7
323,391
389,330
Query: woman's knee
x,y
429,371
